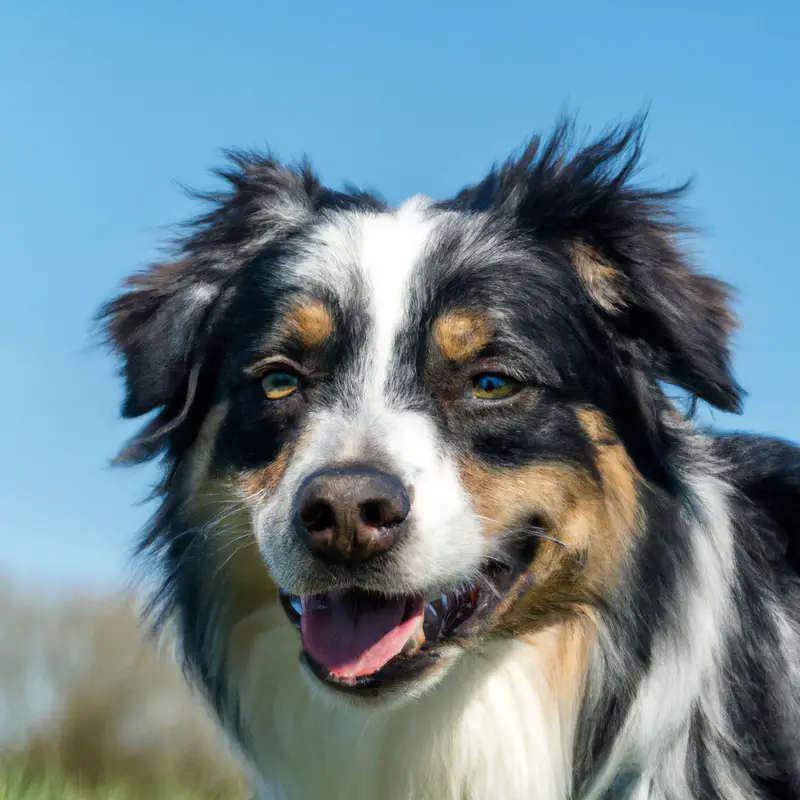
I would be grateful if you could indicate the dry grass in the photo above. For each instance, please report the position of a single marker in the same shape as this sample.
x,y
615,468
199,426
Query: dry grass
x,y
88,706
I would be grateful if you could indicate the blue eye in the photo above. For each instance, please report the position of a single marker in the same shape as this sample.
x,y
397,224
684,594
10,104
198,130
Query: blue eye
x,y
279,384
490,386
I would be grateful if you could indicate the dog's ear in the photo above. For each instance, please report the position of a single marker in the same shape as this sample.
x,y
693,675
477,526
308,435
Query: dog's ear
x,y
161,325
675,322
622,241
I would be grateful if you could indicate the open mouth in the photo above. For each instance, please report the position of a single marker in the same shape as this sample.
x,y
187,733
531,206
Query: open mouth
x,y
354,639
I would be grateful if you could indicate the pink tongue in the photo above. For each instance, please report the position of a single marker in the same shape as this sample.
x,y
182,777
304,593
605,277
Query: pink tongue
x,y
352,634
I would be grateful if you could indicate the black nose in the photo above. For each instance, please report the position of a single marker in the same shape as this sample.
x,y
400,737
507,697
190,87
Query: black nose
x,y
351,514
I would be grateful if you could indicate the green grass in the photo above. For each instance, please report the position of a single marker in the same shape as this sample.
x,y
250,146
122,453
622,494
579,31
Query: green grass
x,y
20,783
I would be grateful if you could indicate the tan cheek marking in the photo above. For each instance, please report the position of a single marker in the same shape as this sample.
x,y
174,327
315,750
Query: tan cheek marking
x,y
620,477
460,335
568,500
565,650
251,585
596,426
503,498
596,523
311,322
265,479
245,572
236,566
605,284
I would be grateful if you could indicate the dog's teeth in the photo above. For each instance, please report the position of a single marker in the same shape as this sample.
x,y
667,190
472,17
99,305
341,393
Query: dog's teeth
x,y
414,643
460,595
297,604
473,593
432,623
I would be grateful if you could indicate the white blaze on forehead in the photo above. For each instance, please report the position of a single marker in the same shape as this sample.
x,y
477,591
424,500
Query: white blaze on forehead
x,y
391,246
373,257
376,251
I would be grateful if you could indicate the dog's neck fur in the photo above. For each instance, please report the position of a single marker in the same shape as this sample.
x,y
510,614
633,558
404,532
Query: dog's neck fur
x,y
500,725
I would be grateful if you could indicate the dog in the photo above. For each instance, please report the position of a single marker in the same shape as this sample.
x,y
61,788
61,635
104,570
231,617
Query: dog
x,y
433,522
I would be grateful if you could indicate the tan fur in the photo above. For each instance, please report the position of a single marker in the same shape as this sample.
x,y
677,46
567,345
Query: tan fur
x,y
220,504
237,570
311,322
565,650
265,479
620,477
460,335
596,524
605,284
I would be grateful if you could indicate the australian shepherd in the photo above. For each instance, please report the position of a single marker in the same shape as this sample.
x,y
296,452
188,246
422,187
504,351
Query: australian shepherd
x,y
433,523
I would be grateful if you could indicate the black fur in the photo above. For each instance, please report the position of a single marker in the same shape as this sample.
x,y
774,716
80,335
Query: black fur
x,y
186,329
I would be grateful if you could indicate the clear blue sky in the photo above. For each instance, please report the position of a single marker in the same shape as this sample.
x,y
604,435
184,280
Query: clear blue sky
x,y
106,107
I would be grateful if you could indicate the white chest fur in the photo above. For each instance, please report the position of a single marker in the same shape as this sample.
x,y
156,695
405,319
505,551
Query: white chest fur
x,y
493,728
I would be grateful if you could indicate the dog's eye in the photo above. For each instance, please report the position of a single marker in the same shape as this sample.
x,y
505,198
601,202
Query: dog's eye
x,y
490,387
279,384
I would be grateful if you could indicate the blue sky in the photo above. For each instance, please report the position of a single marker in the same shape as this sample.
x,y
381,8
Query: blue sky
x,y
106,108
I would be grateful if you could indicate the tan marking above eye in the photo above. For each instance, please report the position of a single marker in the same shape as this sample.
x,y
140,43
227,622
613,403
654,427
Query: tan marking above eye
x,y
311,322
460,335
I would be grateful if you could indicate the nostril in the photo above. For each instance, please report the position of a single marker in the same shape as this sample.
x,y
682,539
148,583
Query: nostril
x,y
318,517
381,513
347,515
373,514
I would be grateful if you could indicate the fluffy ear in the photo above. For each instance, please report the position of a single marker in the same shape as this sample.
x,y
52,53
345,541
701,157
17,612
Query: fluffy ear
x,y
677,322
161,324
623,242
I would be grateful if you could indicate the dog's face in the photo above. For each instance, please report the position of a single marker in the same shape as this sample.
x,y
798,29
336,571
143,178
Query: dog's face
x,y
430,424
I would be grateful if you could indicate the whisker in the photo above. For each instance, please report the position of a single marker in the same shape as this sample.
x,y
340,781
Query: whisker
x,y
225,514
528,531
486,582
236,550
503,528
521,534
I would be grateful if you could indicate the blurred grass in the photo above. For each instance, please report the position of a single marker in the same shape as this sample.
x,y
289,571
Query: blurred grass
x,y
90,709
17,782
21,779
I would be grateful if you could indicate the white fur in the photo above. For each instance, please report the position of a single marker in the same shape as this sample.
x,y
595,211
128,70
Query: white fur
x,y
392,245
685,664
492,730
381,253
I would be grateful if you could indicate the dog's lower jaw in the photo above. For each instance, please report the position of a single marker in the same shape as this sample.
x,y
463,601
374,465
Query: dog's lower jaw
x,y
388,699
499,724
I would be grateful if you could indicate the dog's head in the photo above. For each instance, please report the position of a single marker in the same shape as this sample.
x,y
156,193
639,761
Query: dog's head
x,y
431,424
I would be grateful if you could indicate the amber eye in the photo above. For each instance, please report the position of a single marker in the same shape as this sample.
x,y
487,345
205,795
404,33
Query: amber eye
x,y
489,386
279,384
